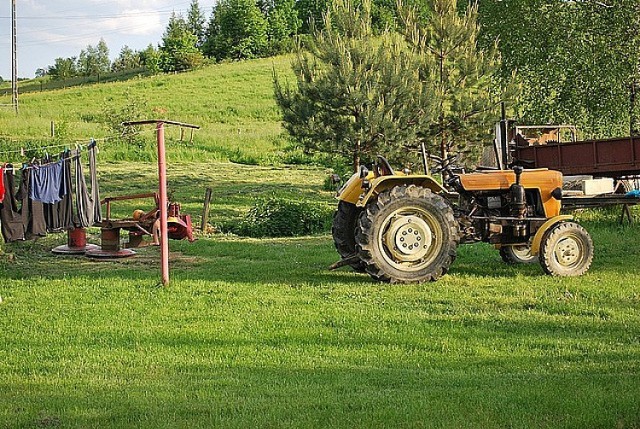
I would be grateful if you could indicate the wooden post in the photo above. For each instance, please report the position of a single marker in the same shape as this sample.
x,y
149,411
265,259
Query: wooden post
x,y
205,209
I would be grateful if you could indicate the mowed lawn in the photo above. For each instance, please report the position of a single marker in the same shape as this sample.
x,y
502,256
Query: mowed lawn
x,y
257,333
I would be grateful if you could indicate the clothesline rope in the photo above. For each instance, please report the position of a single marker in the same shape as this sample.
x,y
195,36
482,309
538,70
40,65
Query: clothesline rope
x,y
101,139
31,167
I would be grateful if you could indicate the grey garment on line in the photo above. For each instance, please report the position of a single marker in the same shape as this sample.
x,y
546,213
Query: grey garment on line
x,y
88,207
59,215
10,217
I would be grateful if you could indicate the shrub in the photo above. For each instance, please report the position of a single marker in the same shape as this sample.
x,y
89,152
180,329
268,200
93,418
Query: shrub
x,y
282,217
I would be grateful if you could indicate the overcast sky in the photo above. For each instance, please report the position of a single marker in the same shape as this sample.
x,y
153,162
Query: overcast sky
x,y
51,29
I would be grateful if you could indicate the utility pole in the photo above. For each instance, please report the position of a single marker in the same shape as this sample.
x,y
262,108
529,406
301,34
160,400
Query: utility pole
x,y
14,58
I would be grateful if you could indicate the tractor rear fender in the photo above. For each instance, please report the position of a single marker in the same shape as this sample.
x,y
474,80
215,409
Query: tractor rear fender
x,y
537,239
353,192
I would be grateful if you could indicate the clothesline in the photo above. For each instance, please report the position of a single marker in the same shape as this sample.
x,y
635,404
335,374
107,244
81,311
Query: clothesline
x,y
22,149
35,166
101,139
50,199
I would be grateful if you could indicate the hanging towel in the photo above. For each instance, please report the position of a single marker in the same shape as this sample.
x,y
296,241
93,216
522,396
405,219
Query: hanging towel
x,y
10,218
1,185
87,206
48,183
32,211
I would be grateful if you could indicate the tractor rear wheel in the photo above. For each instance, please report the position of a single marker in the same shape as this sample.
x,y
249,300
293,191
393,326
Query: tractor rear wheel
x,y
566,250
343,231
518,254
407,235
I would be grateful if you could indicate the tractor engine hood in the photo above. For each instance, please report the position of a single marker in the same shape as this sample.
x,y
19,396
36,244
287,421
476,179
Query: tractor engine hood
x,y
544,180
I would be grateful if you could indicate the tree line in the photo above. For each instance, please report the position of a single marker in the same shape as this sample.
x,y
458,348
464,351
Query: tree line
x,y
235,30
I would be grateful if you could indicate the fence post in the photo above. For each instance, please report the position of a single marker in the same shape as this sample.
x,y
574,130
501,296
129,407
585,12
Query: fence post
x,y
205,209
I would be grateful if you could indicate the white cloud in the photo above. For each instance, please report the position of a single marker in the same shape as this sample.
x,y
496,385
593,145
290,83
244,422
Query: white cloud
x,y
134,22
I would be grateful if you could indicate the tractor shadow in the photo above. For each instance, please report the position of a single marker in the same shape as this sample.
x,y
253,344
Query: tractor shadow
x,y
294,261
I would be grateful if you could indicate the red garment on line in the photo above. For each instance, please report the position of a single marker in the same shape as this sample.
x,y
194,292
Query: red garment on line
x,y
1,184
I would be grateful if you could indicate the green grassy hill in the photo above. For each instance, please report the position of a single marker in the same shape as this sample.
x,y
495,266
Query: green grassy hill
x,y
233,103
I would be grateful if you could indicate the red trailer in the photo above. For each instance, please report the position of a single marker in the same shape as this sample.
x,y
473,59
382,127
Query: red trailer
x,y
616,157
555,147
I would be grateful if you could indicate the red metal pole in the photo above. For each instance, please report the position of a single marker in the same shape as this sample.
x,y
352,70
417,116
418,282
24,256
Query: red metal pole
x,y
162,179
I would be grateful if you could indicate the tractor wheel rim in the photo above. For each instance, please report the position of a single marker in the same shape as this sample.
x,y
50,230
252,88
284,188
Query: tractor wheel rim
x,y
410,238
568,251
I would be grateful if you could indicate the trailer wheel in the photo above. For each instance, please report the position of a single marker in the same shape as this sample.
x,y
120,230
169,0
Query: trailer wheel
x,y
407,235
343,231
518,254
566,250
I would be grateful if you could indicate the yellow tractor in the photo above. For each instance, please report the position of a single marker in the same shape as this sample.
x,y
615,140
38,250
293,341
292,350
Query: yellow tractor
x,y
401,227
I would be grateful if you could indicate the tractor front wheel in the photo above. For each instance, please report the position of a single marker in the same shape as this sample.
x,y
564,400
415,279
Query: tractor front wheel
x,y
566,250
407,235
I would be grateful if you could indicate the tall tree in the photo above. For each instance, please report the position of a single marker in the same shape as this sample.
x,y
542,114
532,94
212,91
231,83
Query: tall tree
x,y
577,60
196,23
127,60
237,30
94,60
151,59
63,68
282,25
102,53
466,90
311,13
357,94
178,51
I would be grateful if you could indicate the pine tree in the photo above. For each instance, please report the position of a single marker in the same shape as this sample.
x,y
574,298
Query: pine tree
x,y
237,30
178,50
150,59
282,25
127,60
196,23
464,76
357,94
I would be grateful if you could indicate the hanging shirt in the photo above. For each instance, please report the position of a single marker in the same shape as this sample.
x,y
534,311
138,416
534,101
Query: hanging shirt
x,y
1,184
48,183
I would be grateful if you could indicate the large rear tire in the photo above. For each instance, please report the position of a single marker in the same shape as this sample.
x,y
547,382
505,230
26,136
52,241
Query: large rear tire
x,y
407,235
343,231
566,250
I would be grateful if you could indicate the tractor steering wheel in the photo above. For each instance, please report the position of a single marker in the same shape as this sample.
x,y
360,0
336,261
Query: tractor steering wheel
x,y
444,165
